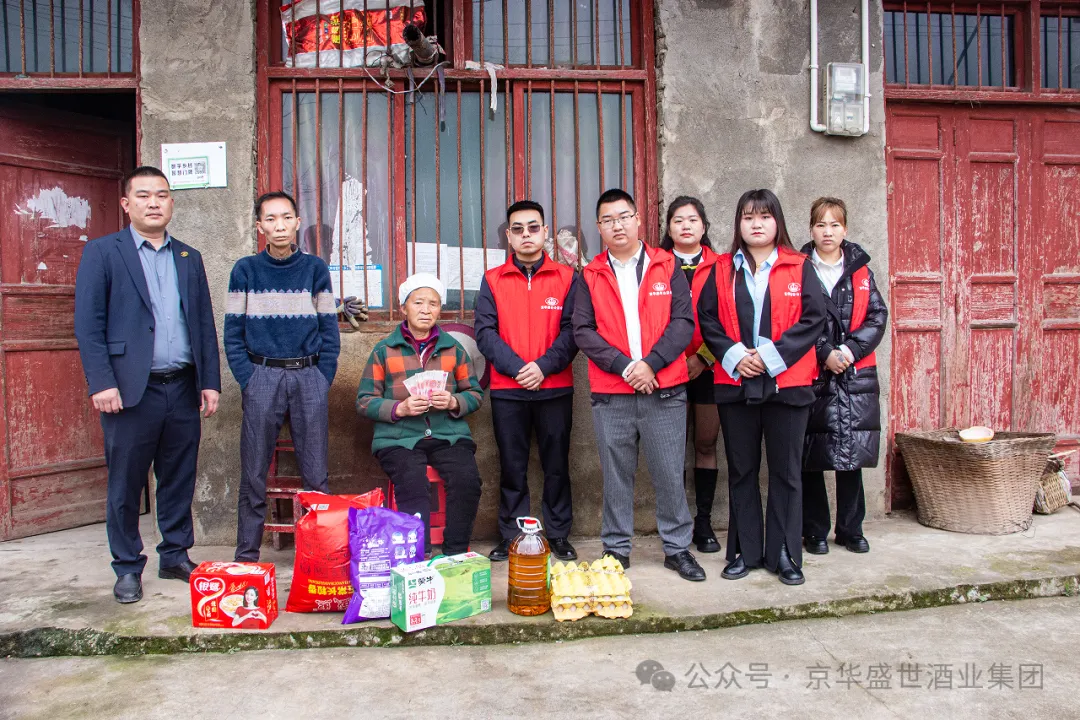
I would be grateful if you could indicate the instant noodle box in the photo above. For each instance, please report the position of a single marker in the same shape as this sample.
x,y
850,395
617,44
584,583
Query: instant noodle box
x,y
234,595
442,590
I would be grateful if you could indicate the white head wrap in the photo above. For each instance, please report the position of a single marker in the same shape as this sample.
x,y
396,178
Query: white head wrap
x,y
421,280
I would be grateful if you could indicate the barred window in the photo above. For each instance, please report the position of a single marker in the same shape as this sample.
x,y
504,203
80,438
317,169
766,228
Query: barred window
x,y
404,169
66,36
1060,51
951,48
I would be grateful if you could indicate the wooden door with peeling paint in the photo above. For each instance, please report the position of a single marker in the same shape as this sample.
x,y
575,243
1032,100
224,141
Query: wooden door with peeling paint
x,y
1049,398
59,186
984,252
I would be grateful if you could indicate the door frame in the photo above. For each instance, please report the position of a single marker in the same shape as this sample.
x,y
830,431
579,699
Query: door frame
x,y
68,121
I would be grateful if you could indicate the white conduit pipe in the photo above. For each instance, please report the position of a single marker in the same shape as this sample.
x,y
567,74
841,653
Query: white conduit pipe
x,y
815,75
814,124
866,65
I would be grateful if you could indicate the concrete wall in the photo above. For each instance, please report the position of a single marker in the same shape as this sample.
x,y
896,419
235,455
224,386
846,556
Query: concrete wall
x,y
198,84
746,108
740,120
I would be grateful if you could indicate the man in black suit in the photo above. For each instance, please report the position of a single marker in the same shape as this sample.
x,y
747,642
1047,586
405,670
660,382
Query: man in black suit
x,y
149,350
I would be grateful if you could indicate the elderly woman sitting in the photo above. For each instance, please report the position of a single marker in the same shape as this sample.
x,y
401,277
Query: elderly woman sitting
x,y
414,431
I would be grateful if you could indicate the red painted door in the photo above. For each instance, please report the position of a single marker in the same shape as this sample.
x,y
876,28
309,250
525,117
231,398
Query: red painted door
x,y
1050,284
59,186
982,220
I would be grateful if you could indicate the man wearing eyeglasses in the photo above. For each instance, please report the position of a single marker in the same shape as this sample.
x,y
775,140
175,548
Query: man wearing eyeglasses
x,y
633,319
523,327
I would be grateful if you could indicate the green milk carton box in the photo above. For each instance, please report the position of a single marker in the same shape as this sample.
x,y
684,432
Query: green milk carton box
x,y
439,591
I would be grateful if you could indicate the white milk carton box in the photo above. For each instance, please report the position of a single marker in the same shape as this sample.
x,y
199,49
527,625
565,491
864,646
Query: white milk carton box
x,y
439,591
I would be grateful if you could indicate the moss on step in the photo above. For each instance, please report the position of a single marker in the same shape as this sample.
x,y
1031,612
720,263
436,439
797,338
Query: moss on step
x,y
52,642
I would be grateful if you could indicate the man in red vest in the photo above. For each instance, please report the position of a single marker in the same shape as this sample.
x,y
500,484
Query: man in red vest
x,y
523,327
633,318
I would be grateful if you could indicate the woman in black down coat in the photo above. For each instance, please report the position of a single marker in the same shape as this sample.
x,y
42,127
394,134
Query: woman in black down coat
x,y
845,424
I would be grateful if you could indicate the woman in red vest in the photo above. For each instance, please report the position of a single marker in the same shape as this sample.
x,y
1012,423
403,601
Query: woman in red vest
x,y
845,422
761,312
687,237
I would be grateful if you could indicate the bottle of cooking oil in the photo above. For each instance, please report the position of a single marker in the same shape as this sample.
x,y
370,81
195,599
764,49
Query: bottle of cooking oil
x,y
527,593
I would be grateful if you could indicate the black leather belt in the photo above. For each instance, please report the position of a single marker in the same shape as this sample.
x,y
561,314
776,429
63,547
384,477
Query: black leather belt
x,y
288,363
172,376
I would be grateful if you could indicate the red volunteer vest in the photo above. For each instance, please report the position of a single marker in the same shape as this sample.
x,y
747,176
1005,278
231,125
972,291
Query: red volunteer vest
x,y
785,302
530,314
701,274
860,283
654,311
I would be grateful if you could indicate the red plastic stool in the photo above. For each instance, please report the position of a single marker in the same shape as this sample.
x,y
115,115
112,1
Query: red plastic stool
x,y
281,489
438,504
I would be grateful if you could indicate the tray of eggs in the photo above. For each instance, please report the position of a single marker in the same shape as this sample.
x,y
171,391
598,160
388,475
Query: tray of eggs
x,y
601,589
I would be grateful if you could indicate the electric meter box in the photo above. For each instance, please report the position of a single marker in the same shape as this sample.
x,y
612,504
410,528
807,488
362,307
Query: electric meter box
x,y
845,92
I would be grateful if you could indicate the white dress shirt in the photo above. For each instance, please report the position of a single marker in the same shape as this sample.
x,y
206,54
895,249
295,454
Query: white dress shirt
x,y
757,283
627,278
686,259
829,273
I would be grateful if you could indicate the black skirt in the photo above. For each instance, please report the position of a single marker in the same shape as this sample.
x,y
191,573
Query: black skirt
x,y
700,390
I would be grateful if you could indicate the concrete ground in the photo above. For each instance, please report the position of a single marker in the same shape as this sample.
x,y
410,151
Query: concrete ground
x,y
991,660
56,592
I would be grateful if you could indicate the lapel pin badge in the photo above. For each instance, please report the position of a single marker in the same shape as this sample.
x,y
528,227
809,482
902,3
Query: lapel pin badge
x,y
183,253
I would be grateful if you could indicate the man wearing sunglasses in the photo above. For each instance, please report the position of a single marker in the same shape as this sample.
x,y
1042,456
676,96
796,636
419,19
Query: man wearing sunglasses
x,y
523,327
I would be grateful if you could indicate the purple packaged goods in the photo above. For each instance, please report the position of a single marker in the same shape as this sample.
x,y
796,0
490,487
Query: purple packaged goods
x,y
379,539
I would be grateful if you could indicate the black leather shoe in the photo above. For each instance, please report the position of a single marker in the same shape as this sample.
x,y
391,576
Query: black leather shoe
x,y
685,564
706,542
623,559
786,570
177,572
737,569
562,549
501,551
856,544
816,545
128,588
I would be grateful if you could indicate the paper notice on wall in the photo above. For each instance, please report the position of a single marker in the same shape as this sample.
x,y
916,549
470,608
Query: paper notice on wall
x,y
194,165
356,280
453,262
347,244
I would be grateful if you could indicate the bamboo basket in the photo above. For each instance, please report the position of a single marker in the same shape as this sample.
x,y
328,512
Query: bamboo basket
x,y
981,488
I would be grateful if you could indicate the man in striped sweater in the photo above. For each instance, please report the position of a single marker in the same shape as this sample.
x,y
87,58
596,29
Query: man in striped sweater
x,y
414,431
282,342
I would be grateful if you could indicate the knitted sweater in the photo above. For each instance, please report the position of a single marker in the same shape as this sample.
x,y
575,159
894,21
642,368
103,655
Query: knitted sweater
x,y
280,309
382,386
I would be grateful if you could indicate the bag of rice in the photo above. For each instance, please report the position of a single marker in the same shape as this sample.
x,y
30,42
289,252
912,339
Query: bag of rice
x,y
320,581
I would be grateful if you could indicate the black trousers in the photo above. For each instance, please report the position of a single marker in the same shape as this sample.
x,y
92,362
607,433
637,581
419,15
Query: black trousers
x,y
850,504
514,422
456,464
783,427
163,430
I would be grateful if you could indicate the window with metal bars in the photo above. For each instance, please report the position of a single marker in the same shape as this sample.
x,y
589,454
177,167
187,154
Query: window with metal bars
x,y
391,181
555,33
58,37
1060,36
971,49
